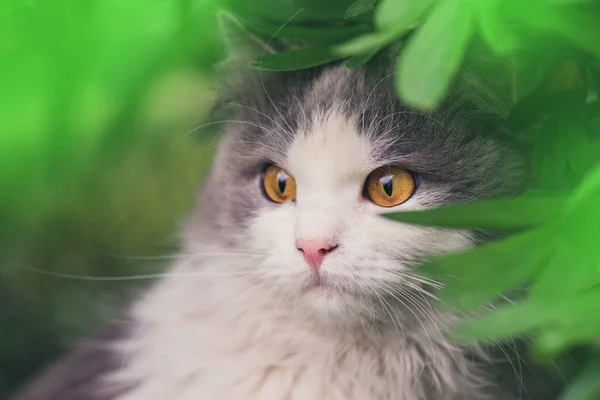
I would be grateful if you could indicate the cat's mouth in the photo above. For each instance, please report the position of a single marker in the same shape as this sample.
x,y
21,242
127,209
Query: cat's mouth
x,y
325,286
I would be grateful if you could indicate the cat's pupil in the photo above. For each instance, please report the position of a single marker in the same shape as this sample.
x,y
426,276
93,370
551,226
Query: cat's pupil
x,y
388,185
282,182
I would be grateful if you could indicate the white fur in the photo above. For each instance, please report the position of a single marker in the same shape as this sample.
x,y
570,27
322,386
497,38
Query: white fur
x,y
244,328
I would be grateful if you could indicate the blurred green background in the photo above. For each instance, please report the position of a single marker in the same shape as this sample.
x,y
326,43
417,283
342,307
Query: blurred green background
x,y
99,159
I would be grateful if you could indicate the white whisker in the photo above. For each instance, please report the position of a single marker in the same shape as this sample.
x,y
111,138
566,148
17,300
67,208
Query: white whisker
x,y
229,121
389,312
258,112
150,276
177,256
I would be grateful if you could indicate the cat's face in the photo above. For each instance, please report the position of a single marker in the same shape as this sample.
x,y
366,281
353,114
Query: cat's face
x,y
327,242
302,181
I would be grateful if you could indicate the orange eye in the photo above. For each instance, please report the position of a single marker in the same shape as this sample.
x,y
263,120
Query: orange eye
x,y
389,186
279,185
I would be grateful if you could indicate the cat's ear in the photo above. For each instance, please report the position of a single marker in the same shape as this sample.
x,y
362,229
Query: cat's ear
x,y
234,75
241,45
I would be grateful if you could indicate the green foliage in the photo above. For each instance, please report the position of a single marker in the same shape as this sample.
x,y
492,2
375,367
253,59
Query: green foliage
x,y
503,213
358,60
304,58
432,57
556,256
397,15
360,7
386,22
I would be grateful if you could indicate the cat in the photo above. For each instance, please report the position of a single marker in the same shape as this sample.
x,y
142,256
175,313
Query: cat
x,y
291,285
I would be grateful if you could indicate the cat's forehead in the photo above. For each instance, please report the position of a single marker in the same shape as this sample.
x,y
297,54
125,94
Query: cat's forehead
x,y
345,124
357,113
331,147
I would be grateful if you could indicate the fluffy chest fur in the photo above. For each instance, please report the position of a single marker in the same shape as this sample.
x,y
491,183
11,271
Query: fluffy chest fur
x,y
240,342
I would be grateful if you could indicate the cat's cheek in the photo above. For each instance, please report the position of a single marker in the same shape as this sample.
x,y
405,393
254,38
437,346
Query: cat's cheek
x,y
271,229
271,232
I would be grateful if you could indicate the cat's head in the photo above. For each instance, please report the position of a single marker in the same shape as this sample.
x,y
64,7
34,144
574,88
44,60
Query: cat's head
x,y
311,161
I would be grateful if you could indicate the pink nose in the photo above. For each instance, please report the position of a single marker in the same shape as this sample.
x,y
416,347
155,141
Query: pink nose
x,y
314,251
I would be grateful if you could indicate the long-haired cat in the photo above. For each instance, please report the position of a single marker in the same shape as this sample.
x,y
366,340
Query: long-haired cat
x,y
293,285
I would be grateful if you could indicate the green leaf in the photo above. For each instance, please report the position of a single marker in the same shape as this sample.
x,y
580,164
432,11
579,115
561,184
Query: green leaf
x,y
433,56
330,9
508,321
579,326
278,11
553,283
397,15
313,35
480,275
589,186
502,213
366,43
296,59
493,28
586,386
523,317
404,19
360,7
359,60
576,262
578,24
